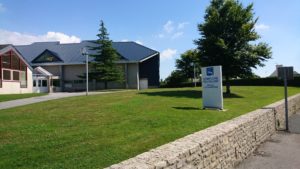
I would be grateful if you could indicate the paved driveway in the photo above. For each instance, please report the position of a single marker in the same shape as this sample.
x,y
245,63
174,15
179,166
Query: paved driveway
x,y
282,151
50,96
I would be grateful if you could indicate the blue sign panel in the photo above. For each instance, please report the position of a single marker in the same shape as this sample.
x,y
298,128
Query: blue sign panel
x,y
209,71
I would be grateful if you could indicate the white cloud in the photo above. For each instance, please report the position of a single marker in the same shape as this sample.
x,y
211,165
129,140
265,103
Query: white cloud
x,y
169,27
16,38
63,38
161,35
172,30
139,42
259,27
2,8
177,35
168,54
182,25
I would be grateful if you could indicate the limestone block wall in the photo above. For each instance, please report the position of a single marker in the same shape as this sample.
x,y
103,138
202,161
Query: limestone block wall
x,y
279,108
222,146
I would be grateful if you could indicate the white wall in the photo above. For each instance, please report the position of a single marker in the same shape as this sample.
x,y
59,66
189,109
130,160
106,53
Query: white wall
x,y
14,87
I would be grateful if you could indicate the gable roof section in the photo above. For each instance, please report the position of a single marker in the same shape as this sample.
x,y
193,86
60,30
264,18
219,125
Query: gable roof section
x,y
46,57
133,51
41,71
6,48
70,53
3,46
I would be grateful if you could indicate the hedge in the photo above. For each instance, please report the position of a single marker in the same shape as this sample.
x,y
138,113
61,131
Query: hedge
x,y
264,82
244,82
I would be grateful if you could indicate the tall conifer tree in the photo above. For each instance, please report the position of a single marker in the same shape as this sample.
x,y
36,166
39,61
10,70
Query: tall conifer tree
x,y
104,67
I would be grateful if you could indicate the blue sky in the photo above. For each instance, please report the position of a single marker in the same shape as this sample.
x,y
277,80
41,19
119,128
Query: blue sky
x,y
169,26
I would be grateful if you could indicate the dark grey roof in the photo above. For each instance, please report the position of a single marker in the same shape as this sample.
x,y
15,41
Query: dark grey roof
x,y
3,46
71,53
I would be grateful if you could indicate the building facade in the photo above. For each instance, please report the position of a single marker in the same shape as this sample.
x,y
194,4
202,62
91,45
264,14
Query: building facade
x,y
16,73
55,67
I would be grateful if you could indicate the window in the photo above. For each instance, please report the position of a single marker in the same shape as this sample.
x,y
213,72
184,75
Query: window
x,y
56,82
6,60
34,83
23,79
6,75
39,83
47,56
44,83
22,66
16,76
0,73
79,81
15,62
12,68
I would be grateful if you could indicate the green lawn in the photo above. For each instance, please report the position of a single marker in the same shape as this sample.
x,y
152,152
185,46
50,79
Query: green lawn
x,y
100,130
8,97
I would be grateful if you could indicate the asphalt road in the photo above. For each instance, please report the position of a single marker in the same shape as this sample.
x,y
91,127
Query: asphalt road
x,y
282,151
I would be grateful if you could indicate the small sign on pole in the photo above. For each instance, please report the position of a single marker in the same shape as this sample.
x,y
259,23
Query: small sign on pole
x,y
212,90
285,74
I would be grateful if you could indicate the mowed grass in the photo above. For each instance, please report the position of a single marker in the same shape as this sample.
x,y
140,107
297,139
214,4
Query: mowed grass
x,y
100,130
8,97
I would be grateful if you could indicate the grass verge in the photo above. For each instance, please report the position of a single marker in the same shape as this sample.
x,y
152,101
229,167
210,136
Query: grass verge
x,y
8,97
99,130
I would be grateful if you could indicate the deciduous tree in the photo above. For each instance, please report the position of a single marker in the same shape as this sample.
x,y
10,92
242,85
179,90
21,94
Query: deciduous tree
x,y
228,38
188,63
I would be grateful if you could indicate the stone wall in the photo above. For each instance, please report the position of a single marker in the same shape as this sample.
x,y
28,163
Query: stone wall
x,y
221,146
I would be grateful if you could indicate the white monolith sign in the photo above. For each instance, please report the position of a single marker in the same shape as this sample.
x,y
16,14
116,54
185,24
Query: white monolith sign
x,y
212,91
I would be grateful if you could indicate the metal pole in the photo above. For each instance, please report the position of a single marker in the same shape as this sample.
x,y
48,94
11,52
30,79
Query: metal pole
x,y
286,100
195,76
138,76
87,73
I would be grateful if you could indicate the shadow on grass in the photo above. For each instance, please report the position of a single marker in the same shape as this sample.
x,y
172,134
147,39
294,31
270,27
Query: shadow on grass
x,y
187,108
195,94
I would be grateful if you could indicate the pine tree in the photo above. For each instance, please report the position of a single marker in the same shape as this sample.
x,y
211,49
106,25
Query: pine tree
x,y
104,67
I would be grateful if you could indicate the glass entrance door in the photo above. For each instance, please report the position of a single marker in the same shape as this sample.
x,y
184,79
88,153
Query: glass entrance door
x,y
40,85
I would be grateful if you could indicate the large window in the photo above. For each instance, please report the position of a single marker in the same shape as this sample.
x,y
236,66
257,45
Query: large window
x,y
6,61
23,66
23,79
12,68
47,56
6,75
16,76
0,72
15,62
